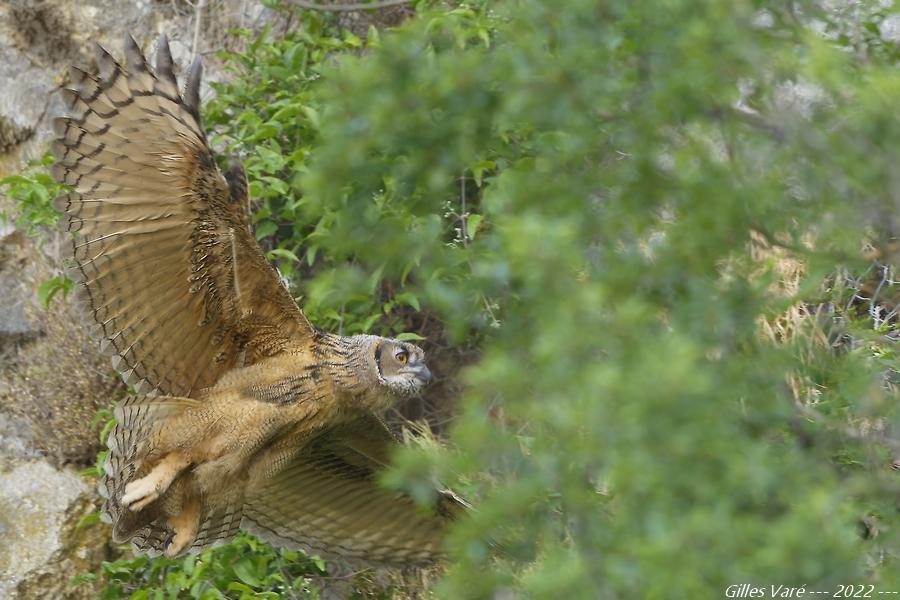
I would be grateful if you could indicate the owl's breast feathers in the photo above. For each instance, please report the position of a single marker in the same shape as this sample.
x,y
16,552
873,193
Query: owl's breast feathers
x,y
295,394
317,374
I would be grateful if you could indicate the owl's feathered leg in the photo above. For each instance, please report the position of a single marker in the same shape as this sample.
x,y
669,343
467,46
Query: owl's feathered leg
x,y
144,484
185,525
175,476
141,492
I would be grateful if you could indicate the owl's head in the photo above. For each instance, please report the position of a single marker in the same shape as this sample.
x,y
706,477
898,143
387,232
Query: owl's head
x,y
400,366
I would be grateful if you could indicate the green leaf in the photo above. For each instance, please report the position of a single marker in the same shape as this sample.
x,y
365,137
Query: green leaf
x,y
282,253
409,299
245,571
48,289
312,114
101,415
352,41
188,563
373,39
105,431
88,519
473,222
479,168
320,564
272,160
311,254
409,337
15,180
265,229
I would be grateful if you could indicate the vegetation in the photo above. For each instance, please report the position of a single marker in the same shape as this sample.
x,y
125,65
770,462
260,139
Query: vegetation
x,y
649,219
244,568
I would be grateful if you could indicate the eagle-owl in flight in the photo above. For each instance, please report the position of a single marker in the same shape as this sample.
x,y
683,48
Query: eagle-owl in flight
x,y
249,416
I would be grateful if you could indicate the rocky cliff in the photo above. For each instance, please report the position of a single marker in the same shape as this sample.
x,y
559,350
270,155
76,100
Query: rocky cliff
x,y
52,381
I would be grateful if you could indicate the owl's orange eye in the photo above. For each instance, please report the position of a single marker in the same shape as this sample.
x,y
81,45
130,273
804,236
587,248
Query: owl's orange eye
x,y
402,357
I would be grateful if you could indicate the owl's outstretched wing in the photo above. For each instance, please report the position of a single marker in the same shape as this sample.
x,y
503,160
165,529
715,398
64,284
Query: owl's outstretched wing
x,y
326,500
162,244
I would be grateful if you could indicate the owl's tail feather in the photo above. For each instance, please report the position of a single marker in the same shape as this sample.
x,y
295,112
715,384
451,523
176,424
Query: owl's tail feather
x,y
131,442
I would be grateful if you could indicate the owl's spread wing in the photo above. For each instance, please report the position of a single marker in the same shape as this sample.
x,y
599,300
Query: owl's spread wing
x,y
327,501
162,245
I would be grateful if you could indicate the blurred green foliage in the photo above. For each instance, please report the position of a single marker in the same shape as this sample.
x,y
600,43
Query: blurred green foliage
x,y
245,568
628,431
604,198
267,116
33,192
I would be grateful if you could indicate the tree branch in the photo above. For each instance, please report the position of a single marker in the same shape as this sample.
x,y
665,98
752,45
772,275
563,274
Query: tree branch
x,y
198,16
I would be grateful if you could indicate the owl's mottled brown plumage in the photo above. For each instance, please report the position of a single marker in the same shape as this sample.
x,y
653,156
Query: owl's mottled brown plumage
x,y
249,416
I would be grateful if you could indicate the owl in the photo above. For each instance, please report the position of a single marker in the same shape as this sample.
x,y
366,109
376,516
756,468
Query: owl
x,y
247,414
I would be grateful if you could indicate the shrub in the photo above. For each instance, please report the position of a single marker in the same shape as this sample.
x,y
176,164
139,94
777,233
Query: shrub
x,y
628,431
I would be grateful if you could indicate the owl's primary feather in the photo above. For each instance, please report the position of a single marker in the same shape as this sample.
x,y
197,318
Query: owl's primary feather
x,y
252,416
173,276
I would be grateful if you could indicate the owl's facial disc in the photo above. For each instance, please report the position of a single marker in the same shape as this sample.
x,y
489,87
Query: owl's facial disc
x,y
402,367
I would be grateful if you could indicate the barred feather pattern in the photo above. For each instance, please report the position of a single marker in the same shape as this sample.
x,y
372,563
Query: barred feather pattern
x,y
218,525
169,270
326,501
129,447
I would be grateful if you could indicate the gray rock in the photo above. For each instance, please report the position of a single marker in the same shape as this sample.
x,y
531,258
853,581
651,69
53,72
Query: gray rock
x,y
43,546
15,323
16,440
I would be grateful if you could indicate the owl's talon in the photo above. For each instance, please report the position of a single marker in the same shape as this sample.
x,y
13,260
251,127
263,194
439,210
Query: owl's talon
x,y
140,504
179,541
140,493
185,525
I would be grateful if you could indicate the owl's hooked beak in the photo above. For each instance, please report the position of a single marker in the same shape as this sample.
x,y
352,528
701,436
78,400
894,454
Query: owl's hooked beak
x,y
420,372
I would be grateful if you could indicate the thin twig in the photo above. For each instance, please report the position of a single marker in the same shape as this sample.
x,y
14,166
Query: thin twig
x,y
198,13
348,7
463,214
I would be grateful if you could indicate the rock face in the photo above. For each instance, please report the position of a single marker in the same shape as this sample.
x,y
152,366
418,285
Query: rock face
x,y
16,326
43,430
45,548
14,323
51,376
40,39
41,508
52,380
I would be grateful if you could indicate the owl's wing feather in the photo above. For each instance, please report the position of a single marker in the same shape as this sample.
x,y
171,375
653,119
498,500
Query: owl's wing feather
x,y
327,501
162,244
